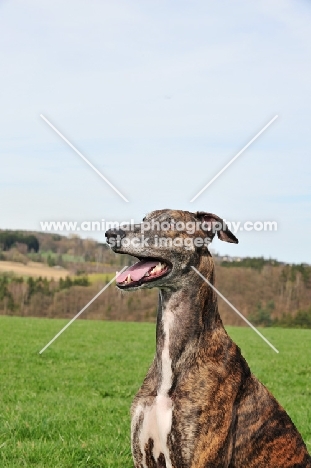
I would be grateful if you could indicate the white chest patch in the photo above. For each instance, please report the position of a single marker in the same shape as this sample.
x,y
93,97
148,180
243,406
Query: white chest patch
x,y
157,418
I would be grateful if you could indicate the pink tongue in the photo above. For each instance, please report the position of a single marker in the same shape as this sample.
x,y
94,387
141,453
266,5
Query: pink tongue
x,y
136,271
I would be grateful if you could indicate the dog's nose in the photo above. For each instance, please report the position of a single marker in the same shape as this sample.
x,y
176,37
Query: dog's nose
x,y
114,234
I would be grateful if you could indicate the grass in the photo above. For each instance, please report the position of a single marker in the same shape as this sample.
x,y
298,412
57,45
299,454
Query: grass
x,y
100,277
69,407
65,257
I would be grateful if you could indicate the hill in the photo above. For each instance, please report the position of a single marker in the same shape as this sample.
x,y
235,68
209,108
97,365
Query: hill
x,y
65,273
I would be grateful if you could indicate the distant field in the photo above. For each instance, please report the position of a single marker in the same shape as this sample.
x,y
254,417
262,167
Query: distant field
x,y
33,269
65,257
101,277
69,408
37,269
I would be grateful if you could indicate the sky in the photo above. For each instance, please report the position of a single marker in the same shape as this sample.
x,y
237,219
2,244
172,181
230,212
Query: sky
x,y
159,96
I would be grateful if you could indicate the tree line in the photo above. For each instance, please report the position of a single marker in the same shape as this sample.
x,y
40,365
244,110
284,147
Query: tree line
x,y
16,292
273,296
8,239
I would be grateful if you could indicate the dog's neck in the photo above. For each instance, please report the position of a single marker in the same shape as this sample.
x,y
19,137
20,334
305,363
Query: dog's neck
x,y
187,318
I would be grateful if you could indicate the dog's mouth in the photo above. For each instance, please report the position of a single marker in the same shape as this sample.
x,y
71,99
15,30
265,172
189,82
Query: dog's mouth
x,y
146,270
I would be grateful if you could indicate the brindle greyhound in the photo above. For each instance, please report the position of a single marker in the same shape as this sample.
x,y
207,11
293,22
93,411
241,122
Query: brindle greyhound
x,y
199,405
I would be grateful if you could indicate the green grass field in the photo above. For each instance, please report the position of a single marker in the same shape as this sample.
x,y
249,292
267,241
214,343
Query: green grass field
x,y
100,277
70,406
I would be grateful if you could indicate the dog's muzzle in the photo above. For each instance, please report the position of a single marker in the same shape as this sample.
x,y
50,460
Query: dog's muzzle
x,y
113,235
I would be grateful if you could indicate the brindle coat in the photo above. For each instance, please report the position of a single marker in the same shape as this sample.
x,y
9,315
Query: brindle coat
x,y
214,413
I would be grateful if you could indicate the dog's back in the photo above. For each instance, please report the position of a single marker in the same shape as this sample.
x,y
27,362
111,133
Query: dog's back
x,y
264,435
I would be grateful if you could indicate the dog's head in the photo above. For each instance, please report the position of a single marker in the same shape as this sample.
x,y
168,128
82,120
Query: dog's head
x,y
167,243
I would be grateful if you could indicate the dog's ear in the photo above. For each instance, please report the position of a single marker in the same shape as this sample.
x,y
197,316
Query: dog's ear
x,y
215,224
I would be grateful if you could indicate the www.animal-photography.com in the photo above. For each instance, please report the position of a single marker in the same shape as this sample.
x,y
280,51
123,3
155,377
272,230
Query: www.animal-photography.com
x,y
155,269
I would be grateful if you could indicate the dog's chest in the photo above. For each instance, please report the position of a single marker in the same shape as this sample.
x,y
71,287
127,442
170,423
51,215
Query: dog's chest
x,y
152,422
154,427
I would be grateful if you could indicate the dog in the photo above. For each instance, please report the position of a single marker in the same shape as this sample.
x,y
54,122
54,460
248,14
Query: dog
x,y
199,405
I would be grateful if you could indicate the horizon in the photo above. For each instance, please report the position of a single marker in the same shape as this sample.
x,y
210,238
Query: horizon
x,y
212,250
